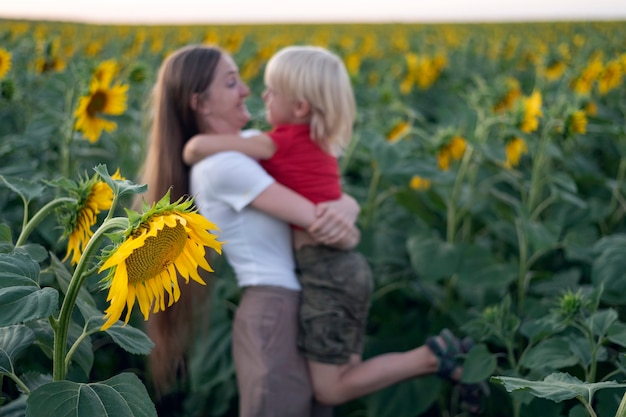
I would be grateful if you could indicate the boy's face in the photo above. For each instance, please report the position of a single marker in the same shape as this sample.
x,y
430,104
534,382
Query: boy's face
x,y
279,107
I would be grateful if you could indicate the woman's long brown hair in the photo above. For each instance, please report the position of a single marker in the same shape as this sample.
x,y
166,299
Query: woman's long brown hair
x,y
187,71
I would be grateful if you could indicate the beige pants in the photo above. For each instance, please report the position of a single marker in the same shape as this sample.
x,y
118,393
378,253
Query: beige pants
x,y
272,376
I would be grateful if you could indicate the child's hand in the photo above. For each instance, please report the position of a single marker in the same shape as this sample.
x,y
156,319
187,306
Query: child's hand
x,y
335,221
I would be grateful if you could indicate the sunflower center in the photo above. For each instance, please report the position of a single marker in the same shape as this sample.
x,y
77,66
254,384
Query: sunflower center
x,y
156,254
97,102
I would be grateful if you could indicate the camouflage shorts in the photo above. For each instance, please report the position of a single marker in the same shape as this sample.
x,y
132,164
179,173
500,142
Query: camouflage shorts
x,y
336,291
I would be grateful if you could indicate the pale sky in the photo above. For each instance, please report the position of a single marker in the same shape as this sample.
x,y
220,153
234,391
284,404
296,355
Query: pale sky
x,y
290,11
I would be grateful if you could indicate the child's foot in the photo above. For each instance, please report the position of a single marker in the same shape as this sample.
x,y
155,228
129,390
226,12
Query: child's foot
x,y
449,350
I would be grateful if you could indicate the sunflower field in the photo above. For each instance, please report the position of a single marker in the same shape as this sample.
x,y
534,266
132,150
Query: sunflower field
x,y
489,161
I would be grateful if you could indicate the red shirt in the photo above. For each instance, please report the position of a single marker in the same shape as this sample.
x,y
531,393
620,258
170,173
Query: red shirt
x,y
301,165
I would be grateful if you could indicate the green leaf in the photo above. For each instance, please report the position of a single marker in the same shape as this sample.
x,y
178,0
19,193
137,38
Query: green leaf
x,y
550,354
123,186
83,356
131,339
542,236
557,387
27,189
16,408
432,258
85,300
20,304
121,396
601,321
608,268
404,400
479,268
35,251
18,270
617,333
5,233
479,364
13,340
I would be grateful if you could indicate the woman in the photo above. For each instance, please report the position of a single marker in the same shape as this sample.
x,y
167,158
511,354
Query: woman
x,y
199,90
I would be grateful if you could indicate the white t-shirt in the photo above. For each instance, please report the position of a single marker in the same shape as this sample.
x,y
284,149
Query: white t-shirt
x,y
257,245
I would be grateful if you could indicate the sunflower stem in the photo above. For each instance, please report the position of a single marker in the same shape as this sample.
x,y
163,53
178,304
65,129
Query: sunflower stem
x,y
59,370
40,216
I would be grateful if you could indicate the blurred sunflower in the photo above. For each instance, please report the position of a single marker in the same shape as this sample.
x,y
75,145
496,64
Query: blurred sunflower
x,y
513,92
5,62
101,99
398,131
452,151
515,148
93,196
106,71
418,183
532,112
577,122
457,147
167,240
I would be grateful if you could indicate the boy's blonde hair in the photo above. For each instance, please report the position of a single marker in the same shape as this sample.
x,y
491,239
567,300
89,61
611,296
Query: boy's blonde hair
x,y
319,77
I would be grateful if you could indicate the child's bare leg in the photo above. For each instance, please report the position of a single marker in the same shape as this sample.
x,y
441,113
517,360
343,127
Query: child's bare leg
x,y
336,384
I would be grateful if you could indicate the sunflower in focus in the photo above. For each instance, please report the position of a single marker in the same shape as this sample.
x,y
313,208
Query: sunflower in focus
x,y
166,241
102,99
93,197
5,62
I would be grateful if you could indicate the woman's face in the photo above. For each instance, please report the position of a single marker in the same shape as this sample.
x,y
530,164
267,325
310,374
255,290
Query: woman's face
x,y
224,110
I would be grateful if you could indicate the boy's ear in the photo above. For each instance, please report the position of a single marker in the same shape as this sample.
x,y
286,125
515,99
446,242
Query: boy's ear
x,y
302,109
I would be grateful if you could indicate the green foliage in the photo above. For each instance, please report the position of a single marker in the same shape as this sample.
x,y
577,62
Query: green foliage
x,y
525,254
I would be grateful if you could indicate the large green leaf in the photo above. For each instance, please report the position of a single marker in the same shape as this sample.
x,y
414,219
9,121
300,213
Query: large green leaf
x,y
5,233
34,250
20,304
479,268
617,333
557,387
124,395
83,355
16,408
25,188
18,270
432,258
131,339
407,399
601,321
479,364
13,340
552,353
542,236
608,268
85,301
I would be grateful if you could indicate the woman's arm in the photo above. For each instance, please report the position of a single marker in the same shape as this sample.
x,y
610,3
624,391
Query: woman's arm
x,y
200,146
284,204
